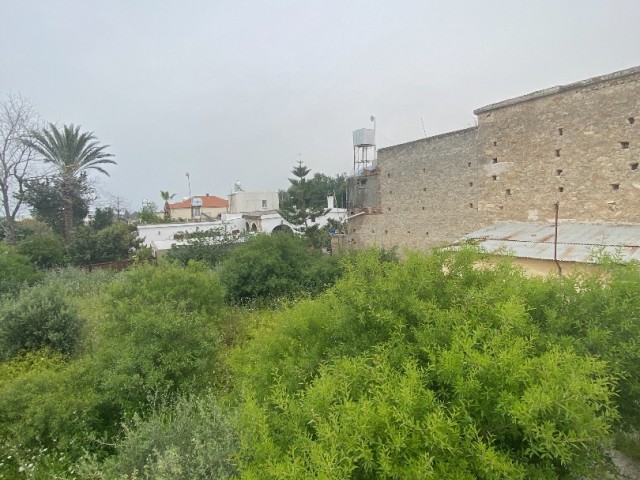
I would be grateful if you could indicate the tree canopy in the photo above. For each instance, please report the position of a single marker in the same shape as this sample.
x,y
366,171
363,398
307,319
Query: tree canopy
x,y
306,198
72,154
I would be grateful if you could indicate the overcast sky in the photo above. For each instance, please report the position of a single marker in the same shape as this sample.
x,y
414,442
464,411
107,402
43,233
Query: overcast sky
x,y
236,90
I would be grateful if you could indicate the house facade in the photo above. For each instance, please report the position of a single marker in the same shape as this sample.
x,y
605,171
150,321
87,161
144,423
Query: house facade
x,y
198,208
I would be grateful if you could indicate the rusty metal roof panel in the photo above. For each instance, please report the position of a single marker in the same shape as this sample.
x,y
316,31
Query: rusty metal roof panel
x,y
577,242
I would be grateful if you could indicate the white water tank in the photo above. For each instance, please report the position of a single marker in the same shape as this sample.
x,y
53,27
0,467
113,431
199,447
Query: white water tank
x,y
365,137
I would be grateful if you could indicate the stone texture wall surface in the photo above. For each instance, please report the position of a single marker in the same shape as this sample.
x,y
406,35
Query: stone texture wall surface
x,y
578,145
427,194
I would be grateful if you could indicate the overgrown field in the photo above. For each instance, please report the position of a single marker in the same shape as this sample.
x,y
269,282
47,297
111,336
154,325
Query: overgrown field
x,y
279,366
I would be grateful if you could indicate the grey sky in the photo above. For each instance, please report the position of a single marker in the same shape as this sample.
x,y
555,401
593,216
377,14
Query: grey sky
x,y
230,90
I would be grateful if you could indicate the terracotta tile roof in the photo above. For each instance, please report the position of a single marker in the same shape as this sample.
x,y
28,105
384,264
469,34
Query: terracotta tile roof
x,y
210,201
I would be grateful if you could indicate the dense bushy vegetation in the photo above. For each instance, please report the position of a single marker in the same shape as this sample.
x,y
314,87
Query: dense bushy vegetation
x,y
210,246
440,366
17,270
431,368
37,319
278,265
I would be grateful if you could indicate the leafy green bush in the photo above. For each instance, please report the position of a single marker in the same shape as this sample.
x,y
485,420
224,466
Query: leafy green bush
x,y
49,415
159,334
596,314
109,244
269,266
17,270
76,282
210,247
46,250
428,368
39,318
193,439
195,288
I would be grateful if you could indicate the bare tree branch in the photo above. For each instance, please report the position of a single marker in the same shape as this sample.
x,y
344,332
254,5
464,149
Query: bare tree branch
x,y
18,162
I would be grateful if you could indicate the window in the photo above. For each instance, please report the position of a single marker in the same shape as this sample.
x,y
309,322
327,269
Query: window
x,y
196,211
560,189
558,153
494,160
633,166
631,120
624,145
508,191
494,177
615,187
264,204
558,172
560,131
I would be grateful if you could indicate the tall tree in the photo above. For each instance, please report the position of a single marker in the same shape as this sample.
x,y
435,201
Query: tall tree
x,y
72,154
44,196
297,205
17,160
166,196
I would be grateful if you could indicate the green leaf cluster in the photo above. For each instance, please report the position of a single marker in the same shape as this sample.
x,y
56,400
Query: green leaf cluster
x,y
45,249
88,245
159,334
191,439
306,198
38,318
152,337
278,265
210,246
434,367
17,270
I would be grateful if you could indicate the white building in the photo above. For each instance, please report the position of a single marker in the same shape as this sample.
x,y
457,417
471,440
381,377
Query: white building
x,y
242,202
160,237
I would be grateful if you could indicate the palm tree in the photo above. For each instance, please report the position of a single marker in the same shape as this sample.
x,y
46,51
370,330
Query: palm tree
x,y
166,197
72,154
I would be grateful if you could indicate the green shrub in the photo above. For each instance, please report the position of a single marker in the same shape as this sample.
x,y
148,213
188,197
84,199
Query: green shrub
x,y
597,314
428,368
278,265
49,415
210,247
112,243
17,270
46,250
193,439
77,282
39,318
159,334
194,288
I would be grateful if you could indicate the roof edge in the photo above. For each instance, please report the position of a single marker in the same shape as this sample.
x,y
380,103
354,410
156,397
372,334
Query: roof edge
x,y
559,88
428,139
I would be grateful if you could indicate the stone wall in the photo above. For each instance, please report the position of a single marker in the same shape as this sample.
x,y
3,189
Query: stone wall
x,y
426,194
578,145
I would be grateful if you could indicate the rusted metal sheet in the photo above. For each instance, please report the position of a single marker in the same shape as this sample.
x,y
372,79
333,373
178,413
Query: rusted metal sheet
x,y
577,242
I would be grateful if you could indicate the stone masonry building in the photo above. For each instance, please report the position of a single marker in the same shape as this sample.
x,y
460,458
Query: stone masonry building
x,y
577,145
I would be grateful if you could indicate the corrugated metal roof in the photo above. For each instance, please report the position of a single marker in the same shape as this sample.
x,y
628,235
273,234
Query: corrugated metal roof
x,y
577,242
